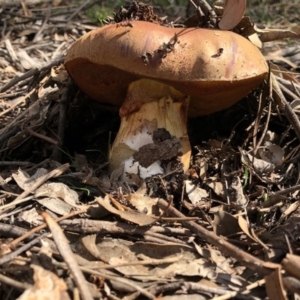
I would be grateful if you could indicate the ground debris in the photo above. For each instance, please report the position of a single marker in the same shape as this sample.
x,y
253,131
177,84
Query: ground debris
x,y
222,229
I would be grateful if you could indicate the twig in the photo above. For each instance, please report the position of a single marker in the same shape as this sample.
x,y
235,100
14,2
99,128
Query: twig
x,y
288,190
38,228
285,107
122,280
41,136
245,258
81,7
249,287
196,287
14,283
264,130
30,73
8,230
106,227
290,84
13,203
13,55
15,163
25,247
62,120
167,287
66,252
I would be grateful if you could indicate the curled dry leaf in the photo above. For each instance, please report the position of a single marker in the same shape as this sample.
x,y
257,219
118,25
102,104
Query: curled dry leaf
x,y
274,283
232,14
26,61
131,216
259,165
194,193
269,35
143,203
291,264
240,199
224,223
245,227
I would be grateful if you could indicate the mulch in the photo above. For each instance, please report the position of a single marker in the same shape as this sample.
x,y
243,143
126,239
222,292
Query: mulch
x,y
228,228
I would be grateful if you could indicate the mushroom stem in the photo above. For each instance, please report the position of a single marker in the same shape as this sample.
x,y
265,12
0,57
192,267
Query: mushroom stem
x,y
149,105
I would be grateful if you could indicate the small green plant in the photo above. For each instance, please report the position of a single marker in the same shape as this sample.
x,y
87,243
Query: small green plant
x,y
97,13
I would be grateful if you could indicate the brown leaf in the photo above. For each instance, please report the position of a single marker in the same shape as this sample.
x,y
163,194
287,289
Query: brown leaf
x,y
47,286
233,13
131,216
224,223
291,264
274,284
269,35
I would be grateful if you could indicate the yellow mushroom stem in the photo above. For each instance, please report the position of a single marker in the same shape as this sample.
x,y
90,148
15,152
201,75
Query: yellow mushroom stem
x,y
149,105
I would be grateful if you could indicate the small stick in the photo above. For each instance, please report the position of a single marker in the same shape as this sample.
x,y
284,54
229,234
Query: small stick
x,y
30,73
41,136
66,252
20,250
62,120
245,258
14,283
285,106
14,243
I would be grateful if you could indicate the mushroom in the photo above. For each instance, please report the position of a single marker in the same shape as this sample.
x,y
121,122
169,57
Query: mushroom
x,y
159,76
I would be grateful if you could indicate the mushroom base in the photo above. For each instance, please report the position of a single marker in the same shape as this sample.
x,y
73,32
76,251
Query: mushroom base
x,y
136,130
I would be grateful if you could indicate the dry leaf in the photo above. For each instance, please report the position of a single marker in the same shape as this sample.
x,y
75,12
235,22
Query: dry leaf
x,y
291,264
31,217
272,154
274,284
47,286
58,190
224,223
215,185
143,203
56,205
131,216
25,181
239,197
194,193
269,35
233,13
260,166
244,226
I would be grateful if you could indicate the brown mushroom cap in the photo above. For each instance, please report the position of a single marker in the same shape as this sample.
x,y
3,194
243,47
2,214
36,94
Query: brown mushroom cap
x,y
216,68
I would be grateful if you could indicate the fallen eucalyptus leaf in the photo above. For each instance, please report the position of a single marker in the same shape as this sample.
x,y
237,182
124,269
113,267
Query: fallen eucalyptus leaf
x,y
25,181
131,216
58,190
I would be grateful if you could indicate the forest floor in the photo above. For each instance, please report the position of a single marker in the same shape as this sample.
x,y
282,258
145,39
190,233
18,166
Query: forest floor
x,y
228,228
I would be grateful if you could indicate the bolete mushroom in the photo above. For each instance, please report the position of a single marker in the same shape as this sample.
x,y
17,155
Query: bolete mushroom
x,y
159,75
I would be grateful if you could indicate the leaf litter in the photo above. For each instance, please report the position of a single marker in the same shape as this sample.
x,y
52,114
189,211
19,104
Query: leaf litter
x,y
228,228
